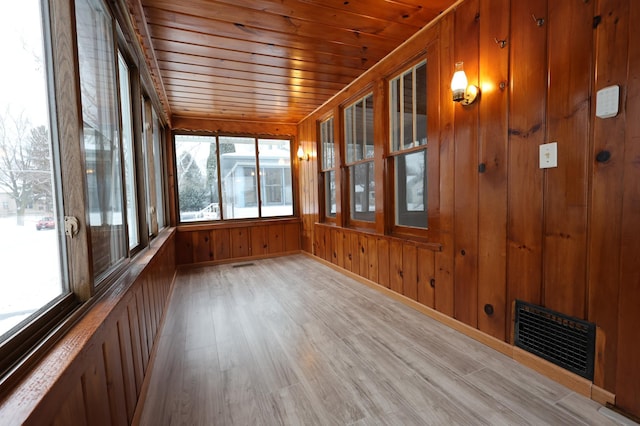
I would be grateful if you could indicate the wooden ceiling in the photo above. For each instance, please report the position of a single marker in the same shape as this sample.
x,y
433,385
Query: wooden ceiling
x,y
268,60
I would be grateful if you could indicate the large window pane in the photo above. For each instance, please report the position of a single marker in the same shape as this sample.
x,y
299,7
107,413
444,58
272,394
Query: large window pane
x,y
197,177
101,141
408,109
411,189
275,177
128,150
330,193
421,104
362,191
395,111
158,156
326,140
31,237
239,180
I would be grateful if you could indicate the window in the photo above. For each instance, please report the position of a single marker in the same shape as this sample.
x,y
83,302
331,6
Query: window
x,y
101,142
359,142
408,140
276,192
33,274
218,177
328,167
128,151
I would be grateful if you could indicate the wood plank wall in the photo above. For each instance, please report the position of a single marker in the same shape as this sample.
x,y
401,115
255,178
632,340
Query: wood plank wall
x,y
94,375
567,237
236,241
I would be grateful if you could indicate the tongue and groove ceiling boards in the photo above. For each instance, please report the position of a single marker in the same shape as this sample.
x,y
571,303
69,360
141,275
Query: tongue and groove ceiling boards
x,y
262,60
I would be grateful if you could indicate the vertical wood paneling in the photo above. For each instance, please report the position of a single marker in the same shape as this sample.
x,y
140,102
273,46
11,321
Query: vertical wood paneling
x,y
94,388
372,257
339,247
565,197
115,377
259,240
466,170
143,327
184,248
128,369
426,272
355,252
363,256
276,238
492,185
346,250
395,266
292,237
201,246
612,37
239,242
221,244
318,241
528,51
383,262
72,411
444,295
136,346
409,271
333,245
628,368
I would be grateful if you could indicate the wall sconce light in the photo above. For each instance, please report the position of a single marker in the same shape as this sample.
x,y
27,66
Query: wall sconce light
x,y
463,92
302,155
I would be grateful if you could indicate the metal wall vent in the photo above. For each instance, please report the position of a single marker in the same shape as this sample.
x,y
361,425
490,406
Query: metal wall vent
x,y
563,340
242,265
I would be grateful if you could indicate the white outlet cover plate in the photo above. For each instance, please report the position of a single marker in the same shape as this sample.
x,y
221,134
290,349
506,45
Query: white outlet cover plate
x,y
549,155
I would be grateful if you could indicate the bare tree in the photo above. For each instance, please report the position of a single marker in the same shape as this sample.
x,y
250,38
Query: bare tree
x,y
25,162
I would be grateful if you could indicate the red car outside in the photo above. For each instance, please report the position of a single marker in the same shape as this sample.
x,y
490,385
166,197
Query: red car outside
x,y
46,223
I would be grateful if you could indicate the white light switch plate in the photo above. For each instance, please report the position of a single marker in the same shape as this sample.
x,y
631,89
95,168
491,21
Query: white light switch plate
x,y
549,155
607,101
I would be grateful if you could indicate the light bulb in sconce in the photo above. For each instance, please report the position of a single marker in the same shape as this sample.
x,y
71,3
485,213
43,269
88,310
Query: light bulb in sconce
x,y
463,92
302,155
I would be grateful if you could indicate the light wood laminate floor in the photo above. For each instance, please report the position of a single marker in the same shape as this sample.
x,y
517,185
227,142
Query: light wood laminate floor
x,y
291,341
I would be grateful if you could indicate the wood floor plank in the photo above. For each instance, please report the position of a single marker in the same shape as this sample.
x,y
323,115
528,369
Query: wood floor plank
x,y
290,341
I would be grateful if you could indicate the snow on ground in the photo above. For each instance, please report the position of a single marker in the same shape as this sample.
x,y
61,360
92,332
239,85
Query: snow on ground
x,y
29,269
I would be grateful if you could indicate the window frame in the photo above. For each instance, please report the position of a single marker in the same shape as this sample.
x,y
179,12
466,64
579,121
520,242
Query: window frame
x,y
258,180
329,166
393,155
351,162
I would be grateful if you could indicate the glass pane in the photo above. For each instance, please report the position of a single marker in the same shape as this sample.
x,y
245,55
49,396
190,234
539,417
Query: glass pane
x,y
369,134
157,160
349,137
362,192
395,114
239,180
101,142
275,177
411,189
407,110
197,178
330,193
421,104
358,124
32,241
326,139
128,149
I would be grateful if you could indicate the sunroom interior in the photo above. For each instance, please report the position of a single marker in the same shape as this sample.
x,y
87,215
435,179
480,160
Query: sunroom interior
x,y
320,212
